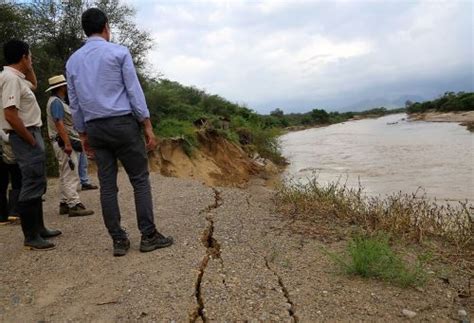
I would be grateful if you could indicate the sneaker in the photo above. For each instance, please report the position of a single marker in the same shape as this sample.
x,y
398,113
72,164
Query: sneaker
x,y
155,241
89,186
79,210
121,247
63,208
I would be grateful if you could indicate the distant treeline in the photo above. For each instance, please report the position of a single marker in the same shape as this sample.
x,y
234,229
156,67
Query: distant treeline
x,y
450,101
317,117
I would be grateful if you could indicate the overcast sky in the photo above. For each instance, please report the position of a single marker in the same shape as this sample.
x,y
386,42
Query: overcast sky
x,y
299,55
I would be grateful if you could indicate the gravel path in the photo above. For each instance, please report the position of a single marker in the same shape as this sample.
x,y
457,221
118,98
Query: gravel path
x,y
233,259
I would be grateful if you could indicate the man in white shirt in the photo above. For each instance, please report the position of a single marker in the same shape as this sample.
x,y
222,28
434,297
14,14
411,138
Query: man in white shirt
x,y
21,117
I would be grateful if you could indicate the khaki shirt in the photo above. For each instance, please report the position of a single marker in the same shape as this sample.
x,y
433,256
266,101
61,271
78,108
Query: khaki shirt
x,y
52,130
15,91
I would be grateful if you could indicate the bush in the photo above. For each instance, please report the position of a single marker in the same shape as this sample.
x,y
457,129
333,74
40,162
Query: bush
x,y
172,128
267,145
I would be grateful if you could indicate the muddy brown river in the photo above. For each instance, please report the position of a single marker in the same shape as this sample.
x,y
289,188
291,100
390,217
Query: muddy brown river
x,y
387,155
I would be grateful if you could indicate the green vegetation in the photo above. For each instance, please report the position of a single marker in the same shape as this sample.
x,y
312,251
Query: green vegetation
x,y
373,257
450,101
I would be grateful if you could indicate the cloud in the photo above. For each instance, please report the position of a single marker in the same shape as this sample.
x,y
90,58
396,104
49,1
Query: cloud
x,y
301,54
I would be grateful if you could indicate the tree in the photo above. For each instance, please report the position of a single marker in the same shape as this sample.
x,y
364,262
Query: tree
x,y
277,113
319,116
14,23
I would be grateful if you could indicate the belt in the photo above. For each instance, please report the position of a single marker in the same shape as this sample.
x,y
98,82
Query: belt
x,y
108,118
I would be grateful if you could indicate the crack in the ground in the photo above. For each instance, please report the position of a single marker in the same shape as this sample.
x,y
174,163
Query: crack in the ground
x,y
213,250
291,309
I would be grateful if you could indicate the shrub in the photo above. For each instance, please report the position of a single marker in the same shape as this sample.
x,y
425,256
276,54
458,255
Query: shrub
x,y
172,128
372,257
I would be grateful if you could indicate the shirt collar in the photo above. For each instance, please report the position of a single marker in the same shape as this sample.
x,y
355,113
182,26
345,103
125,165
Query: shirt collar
x,y
95,38
14,71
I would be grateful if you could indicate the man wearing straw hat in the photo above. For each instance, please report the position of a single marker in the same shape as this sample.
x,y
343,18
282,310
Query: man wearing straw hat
x,y
20,116
67,147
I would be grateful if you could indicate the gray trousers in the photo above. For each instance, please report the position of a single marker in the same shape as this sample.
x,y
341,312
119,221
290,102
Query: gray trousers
x,y
32,163
120,138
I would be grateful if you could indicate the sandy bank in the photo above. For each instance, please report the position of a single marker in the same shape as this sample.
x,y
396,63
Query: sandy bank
x,y
466,116
217,161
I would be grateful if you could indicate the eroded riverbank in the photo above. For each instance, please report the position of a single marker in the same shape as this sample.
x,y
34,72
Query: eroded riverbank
x,y
234,259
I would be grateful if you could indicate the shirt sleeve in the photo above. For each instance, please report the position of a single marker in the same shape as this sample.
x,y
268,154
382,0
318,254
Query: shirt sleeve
x,y
134,89
77,115
11,93
57,110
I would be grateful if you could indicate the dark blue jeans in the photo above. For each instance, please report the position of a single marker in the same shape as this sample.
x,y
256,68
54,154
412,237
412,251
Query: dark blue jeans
x,y
120,138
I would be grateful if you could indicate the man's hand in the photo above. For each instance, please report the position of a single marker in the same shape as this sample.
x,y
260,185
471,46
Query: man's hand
x,y
150,138
85,144
11,116
68,149
31,77
64,136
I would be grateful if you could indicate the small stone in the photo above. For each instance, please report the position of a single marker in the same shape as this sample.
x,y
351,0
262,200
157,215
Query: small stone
x,y
462,313
408,313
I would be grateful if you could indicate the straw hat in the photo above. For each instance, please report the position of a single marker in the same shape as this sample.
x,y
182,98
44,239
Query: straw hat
x,y
56,81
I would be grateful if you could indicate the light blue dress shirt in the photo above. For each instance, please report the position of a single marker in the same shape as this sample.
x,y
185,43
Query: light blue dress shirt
x,y
102,83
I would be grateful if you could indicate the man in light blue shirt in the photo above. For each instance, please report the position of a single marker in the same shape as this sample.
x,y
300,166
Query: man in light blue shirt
x,y
108,106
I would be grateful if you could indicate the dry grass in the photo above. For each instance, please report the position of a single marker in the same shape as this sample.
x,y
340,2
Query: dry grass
x,y
407,216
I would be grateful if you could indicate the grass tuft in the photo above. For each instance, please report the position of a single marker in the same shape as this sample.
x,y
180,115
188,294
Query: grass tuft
x,y
372,257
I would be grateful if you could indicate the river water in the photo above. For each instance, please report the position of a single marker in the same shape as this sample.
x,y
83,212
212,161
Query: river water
x,y
386,155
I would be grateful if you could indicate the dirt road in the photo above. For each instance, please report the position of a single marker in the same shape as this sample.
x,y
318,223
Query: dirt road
x,y
233,259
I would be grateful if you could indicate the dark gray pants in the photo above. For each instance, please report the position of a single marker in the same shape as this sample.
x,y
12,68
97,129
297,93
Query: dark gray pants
x,y
32,163
120,138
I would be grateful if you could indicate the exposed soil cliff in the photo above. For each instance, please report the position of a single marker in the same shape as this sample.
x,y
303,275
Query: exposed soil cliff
x,y
217,161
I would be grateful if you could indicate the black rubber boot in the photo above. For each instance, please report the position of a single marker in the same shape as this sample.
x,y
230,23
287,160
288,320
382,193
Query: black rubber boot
x,y
29,225
43,231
